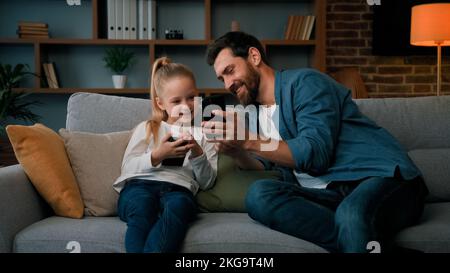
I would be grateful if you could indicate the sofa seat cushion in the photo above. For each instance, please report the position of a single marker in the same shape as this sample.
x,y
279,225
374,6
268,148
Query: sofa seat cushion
x,y
237,232
53,234
432,234
211,232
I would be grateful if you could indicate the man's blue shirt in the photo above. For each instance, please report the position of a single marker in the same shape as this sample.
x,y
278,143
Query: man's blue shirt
x,y
328,136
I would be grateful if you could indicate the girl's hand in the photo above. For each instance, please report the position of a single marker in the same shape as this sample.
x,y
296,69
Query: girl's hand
x,y
196,150
168,149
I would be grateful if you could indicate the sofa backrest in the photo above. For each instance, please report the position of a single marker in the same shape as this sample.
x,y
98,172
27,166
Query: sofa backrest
x,y
97,113
418,123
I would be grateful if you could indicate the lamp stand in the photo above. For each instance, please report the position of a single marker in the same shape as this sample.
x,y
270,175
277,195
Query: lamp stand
x,y
438,69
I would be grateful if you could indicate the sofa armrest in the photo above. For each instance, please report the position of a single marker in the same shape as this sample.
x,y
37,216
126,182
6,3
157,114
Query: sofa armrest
x,y
20,205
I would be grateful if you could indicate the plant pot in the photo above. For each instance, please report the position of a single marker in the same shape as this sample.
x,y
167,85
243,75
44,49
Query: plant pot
x,y
119,81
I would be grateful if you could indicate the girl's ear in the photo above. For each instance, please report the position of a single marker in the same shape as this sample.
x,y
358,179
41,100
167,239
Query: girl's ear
x,y
159,103
254,56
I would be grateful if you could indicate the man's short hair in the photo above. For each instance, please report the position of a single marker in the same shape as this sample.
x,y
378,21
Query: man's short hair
x,y
239,42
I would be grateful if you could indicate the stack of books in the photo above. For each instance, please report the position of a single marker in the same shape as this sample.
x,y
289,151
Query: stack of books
x,y
299,27
32,30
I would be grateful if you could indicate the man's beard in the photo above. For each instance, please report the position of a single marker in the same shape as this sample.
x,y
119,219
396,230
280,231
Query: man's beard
x,y
251,82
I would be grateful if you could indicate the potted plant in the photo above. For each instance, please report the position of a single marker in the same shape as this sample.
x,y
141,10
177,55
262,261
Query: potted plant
x,y
13,104
118,59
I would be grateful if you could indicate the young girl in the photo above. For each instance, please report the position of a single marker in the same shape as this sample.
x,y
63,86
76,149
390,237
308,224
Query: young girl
x,y
157,199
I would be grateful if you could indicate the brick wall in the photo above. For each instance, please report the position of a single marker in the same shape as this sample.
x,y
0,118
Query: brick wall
x,y
349,38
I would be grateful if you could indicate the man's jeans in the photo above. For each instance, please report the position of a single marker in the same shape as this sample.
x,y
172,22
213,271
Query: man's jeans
x,y
157,215
345,216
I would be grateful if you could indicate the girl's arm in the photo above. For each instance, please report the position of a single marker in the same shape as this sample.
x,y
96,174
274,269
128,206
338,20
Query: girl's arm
x,y
204,166
137,157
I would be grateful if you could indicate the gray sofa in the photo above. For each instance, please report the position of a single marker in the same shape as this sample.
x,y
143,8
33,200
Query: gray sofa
x,y
421,124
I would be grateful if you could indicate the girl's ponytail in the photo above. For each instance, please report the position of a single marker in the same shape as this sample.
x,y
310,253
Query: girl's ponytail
x,y
158,115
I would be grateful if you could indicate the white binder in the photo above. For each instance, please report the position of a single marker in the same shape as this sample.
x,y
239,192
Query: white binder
x,y
119,19
152,19
111,19
133,20
126,19
143,19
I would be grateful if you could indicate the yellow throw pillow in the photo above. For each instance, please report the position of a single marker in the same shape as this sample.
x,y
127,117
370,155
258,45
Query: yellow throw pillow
x,y
43,157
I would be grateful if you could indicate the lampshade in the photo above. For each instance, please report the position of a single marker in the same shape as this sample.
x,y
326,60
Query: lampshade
x,y
430,25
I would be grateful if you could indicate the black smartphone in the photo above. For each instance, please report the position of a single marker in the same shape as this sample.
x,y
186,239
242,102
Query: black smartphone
x,y
174,161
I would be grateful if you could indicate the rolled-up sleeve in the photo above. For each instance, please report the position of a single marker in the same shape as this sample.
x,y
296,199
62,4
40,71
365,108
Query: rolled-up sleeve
x,y
317,117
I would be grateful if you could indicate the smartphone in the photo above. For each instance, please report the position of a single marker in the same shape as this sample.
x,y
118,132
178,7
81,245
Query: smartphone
x,y
174,161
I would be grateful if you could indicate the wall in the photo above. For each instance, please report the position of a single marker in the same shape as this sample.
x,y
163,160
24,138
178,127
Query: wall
x,y
349,37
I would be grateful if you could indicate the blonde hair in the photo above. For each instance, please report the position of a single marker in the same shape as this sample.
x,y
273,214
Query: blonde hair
x,y
163,70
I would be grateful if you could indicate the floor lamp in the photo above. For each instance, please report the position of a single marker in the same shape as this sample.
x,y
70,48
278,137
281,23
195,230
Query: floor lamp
x,y
430,26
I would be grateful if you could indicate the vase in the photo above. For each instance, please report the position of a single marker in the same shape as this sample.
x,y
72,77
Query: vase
x,y
119,81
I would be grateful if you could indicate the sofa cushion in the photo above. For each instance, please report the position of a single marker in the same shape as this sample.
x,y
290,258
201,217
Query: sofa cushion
x,y
96,161
237,232
211,232
53,234
228,193
43,157
418,123
97,113
435,167
432,234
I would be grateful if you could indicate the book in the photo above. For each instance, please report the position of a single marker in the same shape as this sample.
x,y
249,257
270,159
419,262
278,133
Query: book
x,y
289,25
33,24
53,78
310,27
47,75
111,6
152,19
133,20
143,19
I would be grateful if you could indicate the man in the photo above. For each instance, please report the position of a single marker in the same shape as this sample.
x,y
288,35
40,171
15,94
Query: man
x,y
347,181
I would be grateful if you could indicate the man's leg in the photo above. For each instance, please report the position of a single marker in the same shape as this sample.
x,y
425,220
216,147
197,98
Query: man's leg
x,y
289,208
375,210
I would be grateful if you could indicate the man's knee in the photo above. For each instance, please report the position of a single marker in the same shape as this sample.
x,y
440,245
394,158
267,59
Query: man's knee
x,y
258,198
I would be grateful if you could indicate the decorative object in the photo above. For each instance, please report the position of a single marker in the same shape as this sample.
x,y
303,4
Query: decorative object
x,y
430,26
96,161
235,25
174,34
118,59
42,155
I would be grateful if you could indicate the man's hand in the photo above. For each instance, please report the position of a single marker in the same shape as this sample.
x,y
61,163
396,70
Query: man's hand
x,y
231,138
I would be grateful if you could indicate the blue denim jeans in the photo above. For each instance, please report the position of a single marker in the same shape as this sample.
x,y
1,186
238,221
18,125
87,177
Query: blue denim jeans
x,y
345,216
157,215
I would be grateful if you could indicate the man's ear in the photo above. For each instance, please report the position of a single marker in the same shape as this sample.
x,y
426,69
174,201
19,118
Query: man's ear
x,y
159,103
254,56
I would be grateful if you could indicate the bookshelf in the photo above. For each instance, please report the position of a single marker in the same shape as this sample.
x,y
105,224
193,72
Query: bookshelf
x,y
79,37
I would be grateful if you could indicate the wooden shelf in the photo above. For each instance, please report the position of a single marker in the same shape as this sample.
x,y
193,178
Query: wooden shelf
x,y
60,41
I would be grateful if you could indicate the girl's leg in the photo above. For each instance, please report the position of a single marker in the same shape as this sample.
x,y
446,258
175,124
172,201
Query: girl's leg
x,y
178,210
138,206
